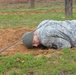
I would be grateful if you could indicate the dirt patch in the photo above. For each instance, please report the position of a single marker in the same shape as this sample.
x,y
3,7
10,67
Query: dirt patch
x,y
24,1
10,35
34,12
31,12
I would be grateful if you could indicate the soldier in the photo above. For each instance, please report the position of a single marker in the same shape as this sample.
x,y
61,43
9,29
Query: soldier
x,y
52,34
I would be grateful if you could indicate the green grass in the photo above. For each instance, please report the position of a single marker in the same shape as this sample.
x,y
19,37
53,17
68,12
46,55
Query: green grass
x,y
29,20
56,64
19,64
19,7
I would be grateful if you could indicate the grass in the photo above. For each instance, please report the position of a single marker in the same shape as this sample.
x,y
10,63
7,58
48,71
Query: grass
x,y
56,64
19,64
15,20
19,7
28,20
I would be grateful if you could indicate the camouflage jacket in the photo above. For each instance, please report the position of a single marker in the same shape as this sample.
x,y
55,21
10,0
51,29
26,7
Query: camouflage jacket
x,y
57,34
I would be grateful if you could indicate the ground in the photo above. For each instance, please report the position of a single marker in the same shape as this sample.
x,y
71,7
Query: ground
x,y
10,35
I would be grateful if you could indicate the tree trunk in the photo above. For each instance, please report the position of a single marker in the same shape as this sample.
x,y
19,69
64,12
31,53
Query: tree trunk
x,y
74,1
68,8
32,3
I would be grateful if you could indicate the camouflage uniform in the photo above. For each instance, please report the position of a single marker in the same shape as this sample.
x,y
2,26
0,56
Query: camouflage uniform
x,y
57,34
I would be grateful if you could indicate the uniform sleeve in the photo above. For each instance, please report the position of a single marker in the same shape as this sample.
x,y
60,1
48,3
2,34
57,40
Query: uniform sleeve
x,y
56,43
62,43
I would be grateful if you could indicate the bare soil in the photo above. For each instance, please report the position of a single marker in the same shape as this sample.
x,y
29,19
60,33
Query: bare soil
x,y
33,12
10,35
24,1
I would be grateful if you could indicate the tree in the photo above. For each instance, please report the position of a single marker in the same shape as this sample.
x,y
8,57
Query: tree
x,y
32,3
74,1
68,8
